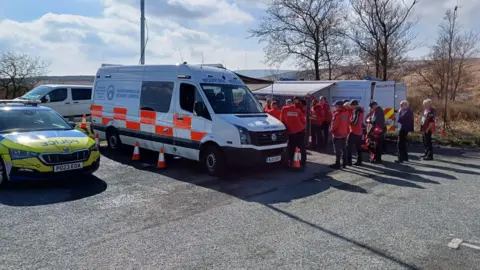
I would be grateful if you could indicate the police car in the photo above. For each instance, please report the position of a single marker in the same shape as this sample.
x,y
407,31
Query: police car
x,y
36,143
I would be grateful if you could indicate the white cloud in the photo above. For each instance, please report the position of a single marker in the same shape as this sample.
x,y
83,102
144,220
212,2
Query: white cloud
x,y
78,44
215,28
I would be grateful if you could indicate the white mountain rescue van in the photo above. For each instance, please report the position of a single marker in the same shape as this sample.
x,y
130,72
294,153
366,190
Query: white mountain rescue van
x,y
197,112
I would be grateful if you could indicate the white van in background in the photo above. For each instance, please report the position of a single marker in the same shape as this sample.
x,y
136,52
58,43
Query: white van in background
x,y
388,94
70,101
198,112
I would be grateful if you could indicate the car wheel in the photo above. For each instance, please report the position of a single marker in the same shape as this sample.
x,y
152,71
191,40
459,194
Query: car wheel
x,y
214,161
113,140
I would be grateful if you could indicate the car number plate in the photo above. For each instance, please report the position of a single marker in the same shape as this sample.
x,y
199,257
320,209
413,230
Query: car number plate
x,y
68,167
274,159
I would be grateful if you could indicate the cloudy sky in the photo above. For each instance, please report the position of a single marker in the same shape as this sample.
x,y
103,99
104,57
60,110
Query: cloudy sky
x,y
78,35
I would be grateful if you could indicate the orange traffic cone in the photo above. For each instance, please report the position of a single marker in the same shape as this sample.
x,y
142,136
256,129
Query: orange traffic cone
x,y
161,160
136,152
97,140
84,122
296,159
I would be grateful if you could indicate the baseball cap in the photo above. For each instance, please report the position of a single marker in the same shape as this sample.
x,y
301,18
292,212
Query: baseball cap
x,y
338,103
354,102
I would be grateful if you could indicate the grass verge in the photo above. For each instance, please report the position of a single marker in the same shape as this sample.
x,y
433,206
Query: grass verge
x,y
462,134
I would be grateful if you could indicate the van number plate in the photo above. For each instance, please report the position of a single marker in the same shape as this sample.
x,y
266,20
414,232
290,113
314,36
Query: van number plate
x,y
68,167
274,159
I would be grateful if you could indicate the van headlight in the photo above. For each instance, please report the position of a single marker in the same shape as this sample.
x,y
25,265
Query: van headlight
x,y
244,135
20,154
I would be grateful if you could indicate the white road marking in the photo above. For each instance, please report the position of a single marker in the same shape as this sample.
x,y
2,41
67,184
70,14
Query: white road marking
x,y
455,243
471,246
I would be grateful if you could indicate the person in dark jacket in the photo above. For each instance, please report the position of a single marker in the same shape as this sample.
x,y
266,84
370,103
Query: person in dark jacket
x,y
378,123
406,121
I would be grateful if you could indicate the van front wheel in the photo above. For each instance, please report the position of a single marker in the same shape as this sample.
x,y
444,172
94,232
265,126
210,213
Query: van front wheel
x,y
214,161
113,140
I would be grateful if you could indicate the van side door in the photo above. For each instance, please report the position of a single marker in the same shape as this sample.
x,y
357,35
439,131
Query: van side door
x,y
189,127
60,101
155,112
81,101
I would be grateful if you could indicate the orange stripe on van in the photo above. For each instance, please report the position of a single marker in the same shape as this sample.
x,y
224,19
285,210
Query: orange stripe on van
x,y
162,130
148,117
96,113
94,107
197,136
185,123
96,110
133,125
106,120
120,113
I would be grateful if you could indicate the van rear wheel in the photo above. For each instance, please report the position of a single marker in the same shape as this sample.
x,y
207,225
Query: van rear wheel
x,y
113,140
214,161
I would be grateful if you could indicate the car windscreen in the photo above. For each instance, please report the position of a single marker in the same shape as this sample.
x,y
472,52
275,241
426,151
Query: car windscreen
x,y
37,92
231,99
31,120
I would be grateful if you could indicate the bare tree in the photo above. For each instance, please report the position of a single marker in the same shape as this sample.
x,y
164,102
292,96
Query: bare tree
x,y
304,29
445,71
19,72
382,32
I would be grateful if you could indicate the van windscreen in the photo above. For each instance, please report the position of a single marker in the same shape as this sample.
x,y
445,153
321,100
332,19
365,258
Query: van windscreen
x,y
231,99
37,92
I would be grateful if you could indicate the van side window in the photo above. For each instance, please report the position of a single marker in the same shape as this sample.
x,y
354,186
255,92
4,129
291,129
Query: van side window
x,y
156,96
81,93
59,94
188,96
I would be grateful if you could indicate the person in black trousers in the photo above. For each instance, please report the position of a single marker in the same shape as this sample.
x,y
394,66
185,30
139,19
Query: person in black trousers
x,y
378,123
428,127
406,121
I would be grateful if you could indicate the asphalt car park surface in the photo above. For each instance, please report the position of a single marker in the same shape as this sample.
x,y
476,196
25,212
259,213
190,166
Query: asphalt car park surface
x,y
130,215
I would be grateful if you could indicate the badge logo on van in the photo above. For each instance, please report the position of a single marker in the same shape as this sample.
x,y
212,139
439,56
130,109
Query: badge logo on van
x,y
110,92
274,137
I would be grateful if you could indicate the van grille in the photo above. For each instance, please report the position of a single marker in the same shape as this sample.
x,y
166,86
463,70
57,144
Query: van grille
x,y
265,138
60,158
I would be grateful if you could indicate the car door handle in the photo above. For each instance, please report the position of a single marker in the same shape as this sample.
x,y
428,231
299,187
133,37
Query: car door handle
x,y
75,102
67,102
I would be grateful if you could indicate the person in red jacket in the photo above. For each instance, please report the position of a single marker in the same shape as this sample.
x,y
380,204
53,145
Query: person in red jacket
x,y
427,127
299,105
268,106
274,111
294,120
328,116
339,130
317,118
354,140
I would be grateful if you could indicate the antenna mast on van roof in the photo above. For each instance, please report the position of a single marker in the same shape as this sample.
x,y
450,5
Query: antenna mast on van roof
x,y
142,32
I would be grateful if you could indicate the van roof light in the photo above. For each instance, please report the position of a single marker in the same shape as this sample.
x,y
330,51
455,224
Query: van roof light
x,y
184,76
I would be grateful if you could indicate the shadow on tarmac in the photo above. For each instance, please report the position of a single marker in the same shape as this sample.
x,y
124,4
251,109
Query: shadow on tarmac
x,y
269,190
51,192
